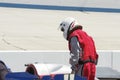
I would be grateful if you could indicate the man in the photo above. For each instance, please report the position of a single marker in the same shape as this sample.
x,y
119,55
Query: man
x,y
82,49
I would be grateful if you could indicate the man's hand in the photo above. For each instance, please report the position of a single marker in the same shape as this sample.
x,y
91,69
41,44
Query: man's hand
x,y
73,72
74,69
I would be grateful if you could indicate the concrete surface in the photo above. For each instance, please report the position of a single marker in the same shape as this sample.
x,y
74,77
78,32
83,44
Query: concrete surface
x,y
79,3
37,29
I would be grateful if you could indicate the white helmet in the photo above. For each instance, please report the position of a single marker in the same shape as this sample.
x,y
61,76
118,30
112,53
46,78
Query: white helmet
x,y
67,25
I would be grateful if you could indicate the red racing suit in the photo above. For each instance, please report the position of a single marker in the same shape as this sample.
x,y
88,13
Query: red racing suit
x,y
89,56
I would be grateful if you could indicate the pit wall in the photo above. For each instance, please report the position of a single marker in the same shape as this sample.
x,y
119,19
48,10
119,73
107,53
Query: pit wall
x,y
16,60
